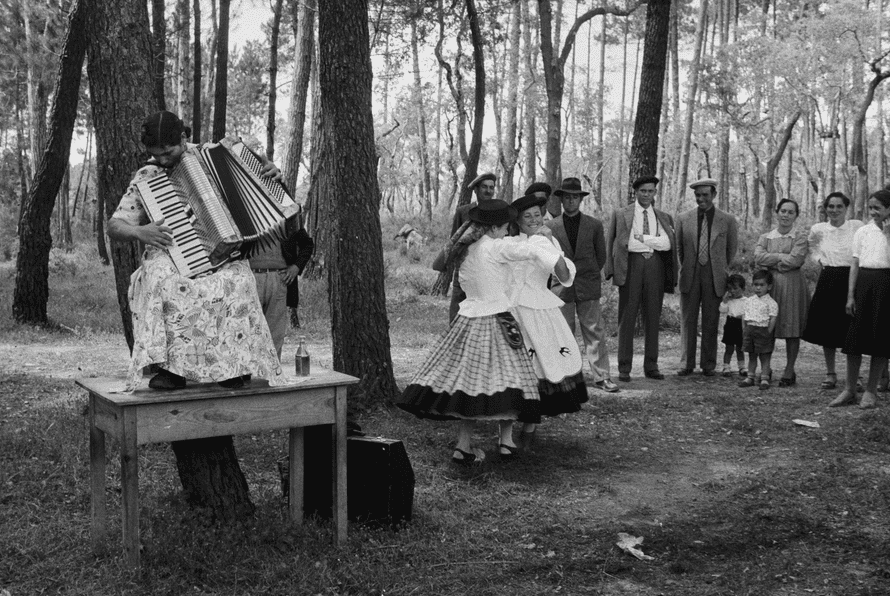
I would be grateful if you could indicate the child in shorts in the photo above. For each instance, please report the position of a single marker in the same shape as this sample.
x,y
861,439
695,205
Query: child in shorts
x,y
733,306
758,326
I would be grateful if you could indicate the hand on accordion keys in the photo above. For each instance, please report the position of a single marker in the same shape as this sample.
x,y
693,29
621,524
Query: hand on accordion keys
x,y
270,170
156,234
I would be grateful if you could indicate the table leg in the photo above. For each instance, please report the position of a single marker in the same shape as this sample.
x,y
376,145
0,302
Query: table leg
x,y
339,472
297,475
130,484
97,481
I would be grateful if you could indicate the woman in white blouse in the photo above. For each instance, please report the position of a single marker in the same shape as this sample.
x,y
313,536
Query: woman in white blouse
x,y
831,245
867,302
481,369
555,353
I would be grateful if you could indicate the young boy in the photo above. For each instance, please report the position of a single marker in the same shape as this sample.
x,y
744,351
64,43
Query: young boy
x,y
733,306
758,324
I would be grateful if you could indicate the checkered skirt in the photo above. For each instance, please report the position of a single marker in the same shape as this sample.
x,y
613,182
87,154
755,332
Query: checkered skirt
x,y
473,373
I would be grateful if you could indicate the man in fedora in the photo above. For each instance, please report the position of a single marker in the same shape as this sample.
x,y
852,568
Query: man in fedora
x,y
642,262
483,185
707,239
582,240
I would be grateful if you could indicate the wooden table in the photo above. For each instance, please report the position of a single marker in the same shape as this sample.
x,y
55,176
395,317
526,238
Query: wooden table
x,y
208,410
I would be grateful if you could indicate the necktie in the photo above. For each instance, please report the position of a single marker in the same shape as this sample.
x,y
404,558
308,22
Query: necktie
x,y
703,242
645,222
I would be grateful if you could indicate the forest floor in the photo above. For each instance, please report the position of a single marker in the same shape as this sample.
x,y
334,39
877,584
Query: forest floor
x,y
728,493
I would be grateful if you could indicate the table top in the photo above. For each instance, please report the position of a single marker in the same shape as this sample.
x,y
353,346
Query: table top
x,y
110,388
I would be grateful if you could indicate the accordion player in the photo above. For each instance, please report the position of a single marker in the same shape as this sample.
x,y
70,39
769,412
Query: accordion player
x,y
218,206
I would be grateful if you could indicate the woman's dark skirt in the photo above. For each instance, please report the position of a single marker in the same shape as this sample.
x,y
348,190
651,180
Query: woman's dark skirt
x,y
871,320
827,320
564,397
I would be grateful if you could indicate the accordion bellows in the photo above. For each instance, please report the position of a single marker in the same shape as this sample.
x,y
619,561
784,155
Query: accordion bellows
x,y
218,206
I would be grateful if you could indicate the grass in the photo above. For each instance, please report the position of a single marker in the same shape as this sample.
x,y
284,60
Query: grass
x,y
730,496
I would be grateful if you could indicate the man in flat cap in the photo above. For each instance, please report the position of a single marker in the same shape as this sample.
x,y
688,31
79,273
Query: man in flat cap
x,y
642,262
707,239
582,239
483,185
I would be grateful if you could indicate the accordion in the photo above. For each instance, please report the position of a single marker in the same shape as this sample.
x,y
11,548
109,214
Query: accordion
x,y
218,206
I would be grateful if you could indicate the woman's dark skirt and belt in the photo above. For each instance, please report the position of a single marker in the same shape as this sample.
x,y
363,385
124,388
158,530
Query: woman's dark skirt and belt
x,y
480,370
827,320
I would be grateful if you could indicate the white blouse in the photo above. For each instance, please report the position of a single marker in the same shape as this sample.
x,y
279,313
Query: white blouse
x,y
529,286
871,247
832,246
486,276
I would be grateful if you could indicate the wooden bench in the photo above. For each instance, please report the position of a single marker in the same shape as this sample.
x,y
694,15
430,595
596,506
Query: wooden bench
x,y
207,410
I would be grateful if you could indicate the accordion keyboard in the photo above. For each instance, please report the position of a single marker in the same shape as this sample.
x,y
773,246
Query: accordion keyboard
x,y
161,200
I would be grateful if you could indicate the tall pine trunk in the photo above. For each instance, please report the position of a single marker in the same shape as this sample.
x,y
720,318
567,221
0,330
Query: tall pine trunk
x,y
348,179
303,16
31,292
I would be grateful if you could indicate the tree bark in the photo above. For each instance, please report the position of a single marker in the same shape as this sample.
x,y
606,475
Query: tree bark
x,y
348,177
692,91
159,47
425,185
303,15
508,144
858,156
273,78
183,57
644,147
31,292
222,69
196,75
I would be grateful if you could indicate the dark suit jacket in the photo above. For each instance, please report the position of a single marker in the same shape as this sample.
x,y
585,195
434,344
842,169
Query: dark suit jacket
x,y
617,236
589,258
724,243
297,250
461,216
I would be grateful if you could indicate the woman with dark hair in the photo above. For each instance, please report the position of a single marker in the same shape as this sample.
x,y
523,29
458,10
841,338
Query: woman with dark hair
x,y
867,299
210,328
481,370
783,251
830,244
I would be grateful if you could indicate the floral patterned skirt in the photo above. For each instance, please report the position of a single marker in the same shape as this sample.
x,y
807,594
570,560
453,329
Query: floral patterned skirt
x,y
206,329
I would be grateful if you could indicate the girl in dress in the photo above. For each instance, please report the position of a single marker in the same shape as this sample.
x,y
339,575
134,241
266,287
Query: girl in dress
x,y
831,245
867,299
481,369
554,350
733,306
783,251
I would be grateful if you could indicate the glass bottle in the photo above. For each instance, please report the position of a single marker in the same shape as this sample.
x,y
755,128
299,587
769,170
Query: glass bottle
x,y
301,359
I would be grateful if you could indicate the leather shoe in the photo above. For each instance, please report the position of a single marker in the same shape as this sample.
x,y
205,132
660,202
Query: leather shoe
x,y
654,374
684,372
624,377
607,385
709,373
166,381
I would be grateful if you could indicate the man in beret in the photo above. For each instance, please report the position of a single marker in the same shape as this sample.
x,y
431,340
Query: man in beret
x,y
483,185
707,239
642,262
582,239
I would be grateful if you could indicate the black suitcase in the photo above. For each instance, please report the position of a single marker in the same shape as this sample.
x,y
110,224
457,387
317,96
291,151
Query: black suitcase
x,y
379,477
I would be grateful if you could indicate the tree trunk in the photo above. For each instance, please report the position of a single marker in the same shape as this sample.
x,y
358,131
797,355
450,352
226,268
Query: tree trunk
x,y
159,48
426,208
692,91
196,76
36,91
210,72
644,147
273,78
531,94
303,14
769,196
65,207
554,81
183,57
600,115
508,143
858,157
212,478
348,177
222,73
32,263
